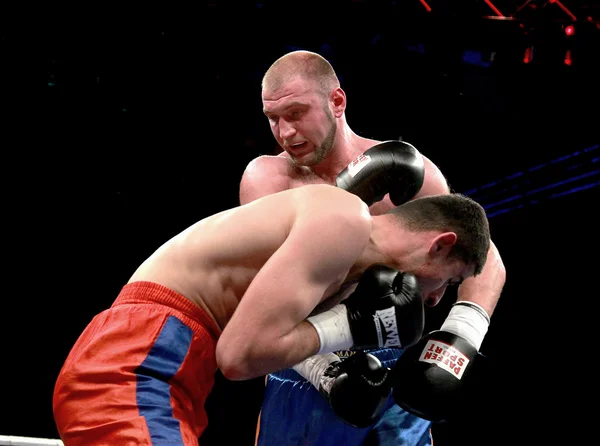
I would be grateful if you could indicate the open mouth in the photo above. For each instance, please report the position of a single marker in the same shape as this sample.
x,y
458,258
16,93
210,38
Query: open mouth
x,y
299,148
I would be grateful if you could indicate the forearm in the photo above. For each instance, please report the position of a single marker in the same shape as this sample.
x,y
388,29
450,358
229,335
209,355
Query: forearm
x,y
485,288
299,344
269,355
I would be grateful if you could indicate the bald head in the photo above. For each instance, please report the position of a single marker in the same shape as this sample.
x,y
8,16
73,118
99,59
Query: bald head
x,y
307,65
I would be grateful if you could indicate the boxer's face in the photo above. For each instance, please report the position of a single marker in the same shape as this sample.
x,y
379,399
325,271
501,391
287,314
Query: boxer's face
x,y
435,276
300,121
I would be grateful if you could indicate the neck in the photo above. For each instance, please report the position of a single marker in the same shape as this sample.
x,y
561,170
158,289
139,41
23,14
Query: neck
x,y
346,147
390,244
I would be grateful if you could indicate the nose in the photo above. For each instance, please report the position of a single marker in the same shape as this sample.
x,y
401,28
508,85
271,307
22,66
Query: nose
x,y
286,130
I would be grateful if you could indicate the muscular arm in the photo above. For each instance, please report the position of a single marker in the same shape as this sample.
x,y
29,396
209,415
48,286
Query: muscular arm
x,y
268,331
268,174
484,289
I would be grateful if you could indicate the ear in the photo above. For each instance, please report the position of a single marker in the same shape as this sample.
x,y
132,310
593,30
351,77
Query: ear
x,y
442,243
338,100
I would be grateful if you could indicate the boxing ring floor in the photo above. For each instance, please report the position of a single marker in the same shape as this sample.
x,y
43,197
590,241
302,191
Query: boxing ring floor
x,y
28,441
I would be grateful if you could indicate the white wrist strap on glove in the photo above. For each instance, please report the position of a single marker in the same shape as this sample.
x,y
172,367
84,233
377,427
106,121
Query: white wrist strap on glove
x,y
313,368
469,321
333,329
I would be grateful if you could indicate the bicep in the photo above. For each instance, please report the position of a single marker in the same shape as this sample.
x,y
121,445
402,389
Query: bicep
x,y
306,268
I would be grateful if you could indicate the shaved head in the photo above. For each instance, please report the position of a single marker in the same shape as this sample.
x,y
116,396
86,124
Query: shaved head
x,y
307,65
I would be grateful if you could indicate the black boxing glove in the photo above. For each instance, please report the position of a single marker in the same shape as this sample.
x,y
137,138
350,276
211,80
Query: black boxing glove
x,y
357,388
393,167
435,379
385,310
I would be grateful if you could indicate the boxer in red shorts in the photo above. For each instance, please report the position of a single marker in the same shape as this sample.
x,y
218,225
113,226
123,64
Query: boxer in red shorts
x,y
238,290
115,388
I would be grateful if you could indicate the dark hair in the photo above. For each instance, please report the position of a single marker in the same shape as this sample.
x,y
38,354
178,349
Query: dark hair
x,y
451,213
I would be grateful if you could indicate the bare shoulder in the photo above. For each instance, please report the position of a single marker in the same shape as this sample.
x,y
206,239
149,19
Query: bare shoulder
x,y
328,200
266,167
329,216
267,164
435,182
264,175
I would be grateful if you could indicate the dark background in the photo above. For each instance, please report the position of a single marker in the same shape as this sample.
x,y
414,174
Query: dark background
x,y
122,125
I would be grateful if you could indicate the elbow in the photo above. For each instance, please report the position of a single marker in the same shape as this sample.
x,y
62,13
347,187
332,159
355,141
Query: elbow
x,y
234,372
233,363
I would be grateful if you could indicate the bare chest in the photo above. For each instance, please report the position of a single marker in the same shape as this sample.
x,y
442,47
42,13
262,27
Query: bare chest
x,y
302,176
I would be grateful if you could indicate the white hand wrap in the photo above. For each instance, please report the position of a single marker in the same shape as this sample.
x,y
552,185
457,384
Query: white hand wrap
x,y
313,368
469,321
333,329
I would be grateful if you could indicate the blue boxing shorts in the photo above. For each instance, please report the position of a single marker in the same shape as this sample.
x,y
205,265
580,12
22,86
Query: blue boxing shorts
x,y
295,413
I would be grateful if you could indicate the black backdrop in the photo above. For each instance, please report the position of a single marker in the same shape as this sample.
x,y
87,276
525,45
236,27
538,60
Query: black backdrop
x,y
123,125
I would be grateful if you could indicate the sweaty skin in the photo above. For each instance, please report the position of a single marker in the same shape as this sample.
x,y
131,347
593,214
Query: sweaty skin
x,y
265,249
259,270
269,174
306,114
318,144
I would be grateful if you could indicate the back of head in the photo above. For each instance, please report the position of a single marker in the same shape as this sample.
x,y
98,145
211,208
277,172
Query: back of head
x,y
451,213
307,65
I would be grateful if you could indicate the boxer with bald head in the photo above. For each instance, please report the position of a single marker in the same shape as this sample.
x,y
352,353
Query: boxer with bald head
x,y
305,106
238,291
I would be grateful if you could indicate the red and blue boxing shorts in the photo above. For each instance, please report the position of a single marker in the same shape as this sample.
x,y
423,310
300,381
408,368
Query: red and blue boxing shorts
x,y
140,372
294,413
